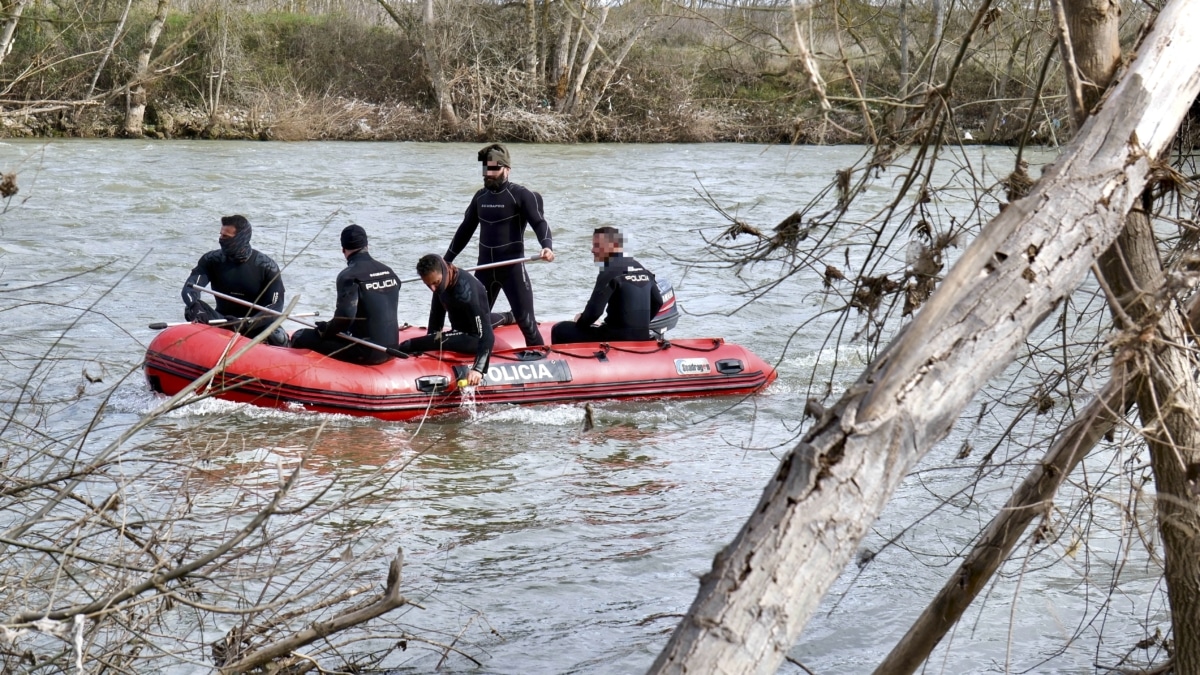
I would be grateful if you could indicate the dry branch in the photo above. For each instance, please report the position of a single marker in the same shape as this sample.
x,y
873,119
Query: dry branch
x,y
390,599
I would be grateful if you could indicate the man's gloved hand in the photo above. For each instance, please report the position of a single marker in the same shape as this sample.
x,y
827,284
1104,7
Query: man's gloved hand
x,y
323,328
198,312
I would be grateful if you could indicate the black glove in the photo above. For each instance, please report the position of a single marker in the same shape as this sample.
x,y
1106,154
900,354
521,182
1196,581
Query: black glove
x,y
323,328
199,312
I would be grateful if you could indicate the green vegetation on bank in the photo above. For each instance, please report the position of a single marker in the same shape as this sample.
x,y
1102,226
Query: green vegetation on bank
x,y
538,70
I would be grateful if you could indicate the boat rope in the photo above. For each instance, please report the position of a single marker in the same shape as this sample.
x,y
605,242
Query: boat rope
x,y
716,344
543,351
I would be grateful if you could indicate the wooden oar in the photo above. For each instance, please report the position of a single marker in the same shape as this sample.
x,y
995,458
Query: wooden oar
x,y
214,322
391,351
487,266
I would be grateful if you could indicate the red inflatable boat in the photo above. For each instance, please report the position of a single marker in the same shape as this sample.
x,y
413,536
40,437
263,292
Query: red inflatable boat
x,y
404,389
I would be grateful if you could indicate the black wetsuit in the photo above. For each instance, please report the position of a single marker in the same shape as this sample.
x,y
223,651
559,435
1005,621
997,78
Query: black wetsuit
x,y
501,217
470,322
631,296
368,293
255,279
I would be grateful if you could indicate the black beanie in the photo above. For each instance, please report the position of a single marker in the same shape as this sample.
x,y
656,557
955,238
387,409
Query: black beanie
x,y
496,153
354,238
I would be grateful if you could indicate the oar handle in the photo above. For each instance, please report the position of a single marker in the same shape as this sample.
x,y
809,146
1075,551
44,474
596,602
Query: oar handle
x,y
160,325
217,294
486,266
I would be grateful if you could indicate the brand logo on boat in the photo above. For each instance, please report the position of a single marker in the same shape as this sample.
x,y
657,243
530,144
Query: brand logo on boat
x,y
692,366
380,285
525,373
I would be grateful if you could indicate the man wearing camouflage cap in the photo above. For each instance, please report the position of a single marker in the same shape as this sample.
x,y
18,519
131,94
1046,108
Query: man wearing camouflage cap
x,y
500,211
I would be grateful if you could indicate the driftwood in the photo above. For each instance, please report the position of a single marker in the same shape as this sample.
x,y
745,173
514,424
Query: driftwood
x,y
828,490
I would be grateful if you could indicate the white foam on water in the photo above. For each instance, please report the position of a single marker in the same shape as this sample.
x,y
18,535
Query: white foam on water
x,y
853,355
468,402
544,415
141,400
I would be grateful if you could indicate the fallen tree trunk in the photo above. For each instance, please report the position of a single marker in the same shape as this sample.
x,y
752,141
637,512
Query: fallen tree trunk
x,y
1133,277
1030,500
828,490
1032,497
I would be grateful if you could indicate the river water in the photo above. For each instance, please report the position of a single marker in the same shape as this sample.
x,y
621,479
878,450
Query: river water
x,y
533,545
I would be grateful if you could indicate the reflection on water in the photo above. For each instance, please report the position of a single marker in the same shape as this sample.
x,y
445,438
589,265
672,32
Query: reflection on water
x,y
535,545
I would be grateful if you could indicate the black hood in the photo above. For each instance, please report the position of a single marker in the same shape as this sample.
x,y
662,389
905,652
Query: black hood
x,y
237,247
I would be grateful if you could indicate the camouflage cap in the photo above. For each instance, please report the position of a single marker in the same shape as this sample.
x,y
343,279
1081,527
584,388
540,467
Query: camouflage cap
x,y
497,153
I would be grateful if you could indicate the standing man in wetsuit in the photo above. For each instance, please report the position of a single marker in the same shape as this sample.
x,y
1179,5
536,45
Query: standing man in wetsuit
x,y
463,297
624,288
238,270
500,211
368,293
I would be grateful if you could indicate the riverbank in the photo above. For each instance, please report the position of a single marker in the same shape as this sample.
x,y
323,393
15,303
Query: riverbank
x,y
338,118
623,76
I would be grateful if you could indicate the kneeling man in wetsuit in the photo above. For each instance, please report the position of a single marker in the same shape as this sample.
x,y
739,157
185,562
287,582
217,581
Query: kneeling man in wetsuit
x,y
368,293
464,298
626,289
238,270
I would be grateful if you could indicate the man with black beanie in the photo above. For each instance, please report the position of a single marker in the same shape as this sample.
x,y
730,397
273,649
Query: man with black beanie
x,y
238,270
500,211
368,293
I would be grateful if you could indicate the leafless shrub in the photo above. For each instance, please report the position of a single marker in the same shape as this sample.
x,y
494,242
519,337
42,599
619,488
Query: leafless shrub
x,y
136,545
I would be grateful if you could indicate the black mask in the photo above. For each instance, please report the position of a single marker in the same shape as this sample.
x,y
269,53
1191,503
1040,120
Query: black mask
x,y
237,247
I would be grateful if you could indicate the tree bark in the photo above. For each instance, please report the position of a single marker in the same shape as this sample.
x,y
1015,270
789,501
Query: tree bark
x,y
531,41
543,56
903,28
432,55
805,56
565,57
135,107
586,60
1168,397
1094,26
112,44
989,129
828,490
10,27
1169,407
602,87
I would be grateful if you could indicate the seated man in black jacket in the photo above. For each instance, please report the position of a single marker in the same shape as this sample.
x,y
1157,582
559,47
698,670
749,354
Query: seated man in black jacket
x,y
624,288
367,295
464,298
238,270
